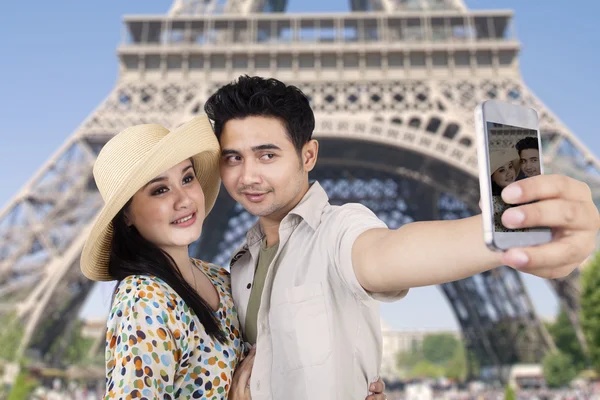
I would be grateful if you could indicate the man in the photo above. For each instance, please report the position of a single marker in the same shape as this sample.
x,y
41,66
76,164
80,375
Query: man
x,y
529,154
309,276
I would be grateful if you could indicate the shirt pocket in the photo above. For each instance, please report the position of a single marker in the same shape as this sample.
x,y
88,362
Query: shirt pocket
x,y
301,327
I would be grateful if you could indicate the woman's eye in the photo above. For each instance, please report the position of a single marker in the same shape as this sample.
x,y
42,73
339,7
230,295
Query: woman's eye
x,y
160,190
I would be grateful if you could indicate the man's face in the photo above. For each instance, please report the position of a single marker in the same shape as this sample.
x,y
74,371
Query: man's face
x,y
261,168
530,162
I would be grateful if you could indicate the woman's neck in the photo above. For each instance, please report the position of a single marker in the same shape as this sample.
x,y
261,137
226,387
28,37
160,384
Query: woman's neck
x,y
182,259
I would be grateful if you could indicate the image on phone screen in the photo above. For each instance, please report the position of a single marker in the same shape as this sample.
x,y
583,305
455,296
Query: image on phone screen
x,y
514,154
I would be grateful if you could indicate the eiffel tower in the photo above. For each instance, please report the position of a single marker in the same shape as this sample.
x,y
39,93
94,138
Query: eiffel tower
x,y
393,84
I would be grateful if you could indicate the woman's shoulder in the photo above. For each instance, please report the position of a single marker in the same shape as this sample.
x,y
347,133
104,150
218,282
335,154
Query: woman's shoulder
x,y
138,283
212,269
144,290
147,310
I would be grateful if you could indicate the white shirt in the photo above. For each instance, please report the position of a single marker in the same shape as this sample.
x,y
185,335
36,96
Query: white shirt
x,y
319,332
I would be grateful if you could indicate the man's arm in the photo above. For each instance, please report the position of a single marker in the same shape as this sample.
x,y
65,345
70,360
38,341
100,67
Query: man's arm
x,y
429,253
421,254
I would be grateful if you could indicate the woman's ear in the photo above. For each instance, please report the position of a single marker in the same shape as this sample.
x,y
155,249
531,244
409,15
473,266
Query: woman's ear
x,y
127,218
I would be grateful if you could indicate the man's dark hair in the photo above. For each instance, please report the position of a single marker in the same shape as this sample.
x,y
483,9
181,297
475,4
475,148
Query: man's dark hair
x,y
527,143
256,96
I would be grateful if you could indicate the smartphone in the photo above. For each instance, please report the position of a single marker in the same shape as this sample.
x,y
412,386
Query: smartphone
x,y
508,149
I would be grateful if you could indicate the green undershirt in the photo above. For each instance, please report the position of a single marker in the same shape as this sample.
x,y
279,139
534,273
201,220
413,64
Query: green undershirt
x,y
265,257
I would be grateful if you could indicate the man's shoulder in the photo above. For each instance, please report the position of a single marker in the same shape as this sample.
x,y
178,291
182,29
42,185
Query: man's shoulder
x,y
346,213
338,220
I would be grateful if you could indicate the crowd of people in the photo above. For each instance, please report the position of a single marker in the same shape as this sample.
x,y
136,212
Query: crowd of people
x,y
587,391
583,391
61,390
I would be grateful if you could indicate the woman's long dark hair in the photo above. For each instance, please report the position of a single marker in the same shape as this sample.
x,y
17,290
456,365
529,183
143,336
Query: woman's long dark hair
x,y
131,254
496,189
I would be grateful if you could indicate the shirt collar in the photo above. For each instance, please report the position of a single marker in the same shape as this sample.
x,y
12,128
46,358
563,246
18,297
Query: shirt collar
x,y
311,206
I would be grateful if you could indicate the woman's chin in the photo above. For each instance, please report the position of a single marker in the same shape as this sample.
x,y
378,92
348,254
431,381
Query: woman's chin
x,y
187,238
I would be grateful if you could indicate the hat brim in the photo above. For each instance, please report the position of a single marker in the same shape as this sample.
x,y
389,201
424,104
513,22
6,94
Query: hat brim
x,y
194,140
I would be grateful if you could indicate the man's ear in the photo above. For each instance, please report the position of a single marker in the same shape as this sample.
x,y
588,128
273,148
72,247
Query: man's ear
x,y
310,153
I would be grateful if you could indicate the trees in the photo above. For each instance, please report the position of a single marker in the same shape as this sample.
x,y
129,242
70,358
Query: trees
x,y
22,387
440,354
76,348
456,367
427,369
439,348
10,337
509,393
566,341
558,369
408,359
590,309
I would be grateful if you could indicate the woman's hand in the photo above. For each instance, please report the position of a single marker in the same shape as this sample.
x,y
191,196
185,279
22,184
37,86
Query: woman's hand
x,y
378,390
240,384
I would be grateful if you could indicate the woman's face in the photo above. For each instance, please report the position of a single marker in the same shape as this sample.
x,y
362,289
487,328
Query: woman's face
x,y
169,210
505,175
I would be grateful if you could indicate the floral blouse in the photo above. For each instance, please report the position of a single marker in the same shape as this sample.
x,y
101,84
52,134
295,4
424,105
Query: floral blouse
x,y
499,207
156,347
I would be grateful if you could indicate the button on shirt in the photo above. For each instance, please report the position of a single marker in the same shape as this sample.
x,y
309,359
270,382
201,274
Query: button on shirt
x,y
318,330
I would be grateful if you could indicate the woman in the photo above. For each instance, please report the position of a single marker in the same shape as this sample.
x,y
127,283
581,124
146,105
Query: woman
x,y
173,331
505,167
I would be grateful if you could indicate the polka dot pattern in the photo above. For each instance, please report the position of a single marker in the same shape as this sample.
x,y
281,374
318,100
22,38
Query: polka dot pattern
x,y
156,347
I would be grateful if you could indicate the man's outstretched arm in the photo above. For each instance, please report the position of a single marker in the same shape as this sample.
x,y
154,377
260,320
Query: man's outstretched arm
x,y
434,252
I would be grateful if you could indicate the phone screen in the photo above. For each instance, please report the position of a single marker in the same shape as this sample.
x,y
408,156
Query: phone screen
x,y
514,154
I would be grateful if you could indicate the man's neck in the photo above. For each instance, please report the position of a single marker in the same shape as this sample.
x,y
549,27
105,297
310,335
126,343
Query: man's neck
x,y
271,229
270,223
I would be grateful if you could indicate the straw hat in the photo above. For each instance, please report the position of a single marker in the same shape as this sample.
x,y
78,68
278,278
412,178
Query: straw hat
x,y
134,157
499,157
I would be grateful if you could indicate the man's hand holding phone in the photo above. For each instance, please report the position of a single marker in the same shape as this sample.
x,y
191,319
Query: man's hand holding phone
x,y
561,203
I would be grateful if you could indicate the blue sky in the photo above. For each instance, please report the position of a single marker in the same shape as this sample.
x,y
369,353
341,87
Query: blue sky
x,y
60,63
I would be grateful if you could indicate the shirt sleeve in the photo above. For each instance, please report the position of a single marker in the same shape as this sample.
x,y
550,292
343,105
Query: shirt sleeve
x,y
142,350
350,222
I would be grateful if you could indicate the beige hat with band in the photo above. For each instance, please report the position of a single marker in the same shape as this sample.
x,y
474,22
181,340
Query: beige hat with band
x,y
131,159
499,158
